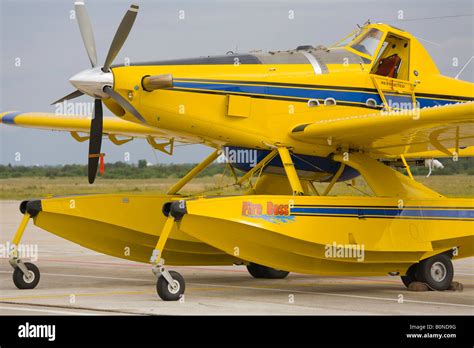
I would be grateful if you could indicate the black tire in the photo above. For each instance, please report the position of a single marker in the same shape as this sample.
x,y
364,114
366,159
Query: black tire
x,y
437,272
259,272
165,291
255,270
410,277
21,282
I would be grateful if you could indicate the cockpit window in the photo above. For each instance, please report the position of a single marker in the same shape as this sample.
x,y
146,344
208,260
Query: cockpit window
x,y
368,43
348,38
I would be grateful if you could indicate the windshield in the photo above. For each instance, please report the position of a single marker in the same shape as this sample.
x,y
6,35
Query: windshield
x,y
348,38
368,43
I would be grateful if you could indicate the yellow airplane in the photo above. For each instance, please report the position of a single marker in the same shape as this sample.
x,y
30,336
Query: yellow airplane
x,y
364,106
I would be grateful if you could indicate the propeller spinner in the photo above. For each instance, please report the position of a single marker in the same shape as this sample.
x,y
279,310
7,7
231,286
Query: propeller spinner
x,y
98,82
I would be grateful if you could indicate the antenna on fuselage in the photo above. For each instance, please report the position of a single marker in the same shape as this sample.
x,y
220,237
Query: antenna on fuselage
x,y
367,22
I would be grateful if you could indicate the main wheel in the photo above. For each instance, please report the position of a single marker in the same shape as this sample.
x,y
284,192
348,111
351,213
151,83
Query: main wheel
x,y
255,270
22,282
410,277
437,272
166,291
259,271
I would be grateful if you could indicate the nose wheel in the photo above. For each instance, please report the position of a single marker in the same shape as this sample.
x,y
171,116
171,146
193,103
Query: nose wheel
x,y
170,289
28,279
25,274
170,285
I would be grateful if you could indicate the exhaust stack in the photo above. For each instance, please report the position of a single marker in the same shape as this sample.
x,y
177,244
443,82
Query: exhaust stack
x,y
151,83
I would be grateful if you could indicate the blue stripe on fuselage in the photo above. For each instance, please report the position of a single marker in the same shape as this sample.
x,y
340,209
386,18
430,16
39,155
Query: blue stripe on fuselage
x,y
305,163
341,96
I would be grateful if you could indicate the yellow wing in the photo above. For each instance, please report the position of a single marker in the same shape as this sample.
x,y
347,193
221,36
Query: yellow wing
x,y
49,121
421,132
112,127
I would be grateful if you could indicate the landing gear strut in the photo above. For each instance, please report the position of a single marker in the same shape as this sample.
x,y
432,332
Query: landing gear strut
x,y
25,275
170,285
436,272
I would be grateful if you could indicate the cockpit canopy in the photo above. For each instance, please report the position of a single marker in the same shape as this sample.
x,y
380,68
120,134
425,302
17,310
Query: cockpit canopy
x,y
386,47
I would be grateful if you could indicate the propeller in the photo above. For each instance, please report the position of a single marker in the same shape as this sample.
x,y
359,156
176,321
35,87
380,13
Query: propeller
x,y
72,95
123,102
95,141
98,82
121,35
87,33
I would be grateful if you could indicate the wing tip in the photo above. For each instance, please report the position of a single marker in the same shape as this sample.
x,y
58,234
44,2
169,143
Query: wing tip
x,y
8,117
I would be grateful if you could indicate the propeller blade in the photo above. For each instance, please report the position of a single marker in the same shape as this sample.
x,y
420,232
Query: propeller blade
x,y
120,36
72,95
87,34
123,103
95,140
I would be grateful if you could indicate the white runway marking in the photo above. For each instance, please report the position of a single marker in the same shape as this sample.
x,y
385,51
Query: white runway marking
x,y
68,252
340,295
95,277
395,299
44,310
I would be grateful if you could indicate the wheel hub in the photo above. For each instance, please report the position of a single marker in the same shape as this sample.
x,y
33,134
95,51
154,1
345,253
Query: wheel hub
x,y
174,288
438,271
29,278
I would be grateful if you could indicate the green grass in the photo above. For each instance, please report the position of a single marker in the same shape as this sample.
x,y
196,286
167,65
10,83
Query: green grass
x,y
31,187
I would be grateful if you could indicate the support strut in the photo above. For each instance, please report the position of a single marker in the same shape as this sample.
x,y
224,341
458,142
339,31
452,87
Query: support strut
x,y
290,170
193,172
157,261
14,258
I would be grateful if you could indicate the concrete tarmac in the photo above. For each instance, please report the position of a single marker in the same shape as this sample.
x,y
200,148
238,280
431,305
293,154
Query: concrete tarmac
x,y
77,281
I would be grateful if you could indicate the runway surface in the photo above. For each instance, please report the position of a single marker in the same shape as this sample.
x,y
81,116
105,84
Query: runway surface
x,y
77,281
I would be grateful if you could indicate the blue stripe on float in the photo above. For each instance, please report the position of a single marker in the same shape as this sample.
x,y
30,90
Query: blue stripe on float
x,y
416,213
9,118
342,96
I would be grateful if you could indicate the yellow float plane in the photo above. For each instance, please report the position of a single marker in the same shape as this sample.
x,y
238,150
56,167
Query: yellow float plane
x,y
364,106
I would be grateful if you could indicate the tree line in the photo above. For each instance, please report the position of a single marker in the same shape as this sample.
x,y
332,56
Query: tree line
x,y
141,170
117,170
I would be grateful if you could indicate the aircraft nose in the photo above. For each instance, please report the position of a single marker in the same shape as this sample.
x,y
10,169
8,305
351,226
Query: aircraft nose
x,y
92,82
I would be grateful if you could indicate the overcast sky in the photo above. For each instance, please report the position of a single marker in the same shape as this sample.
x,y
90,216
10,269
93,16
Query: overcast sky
x,y
49,46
